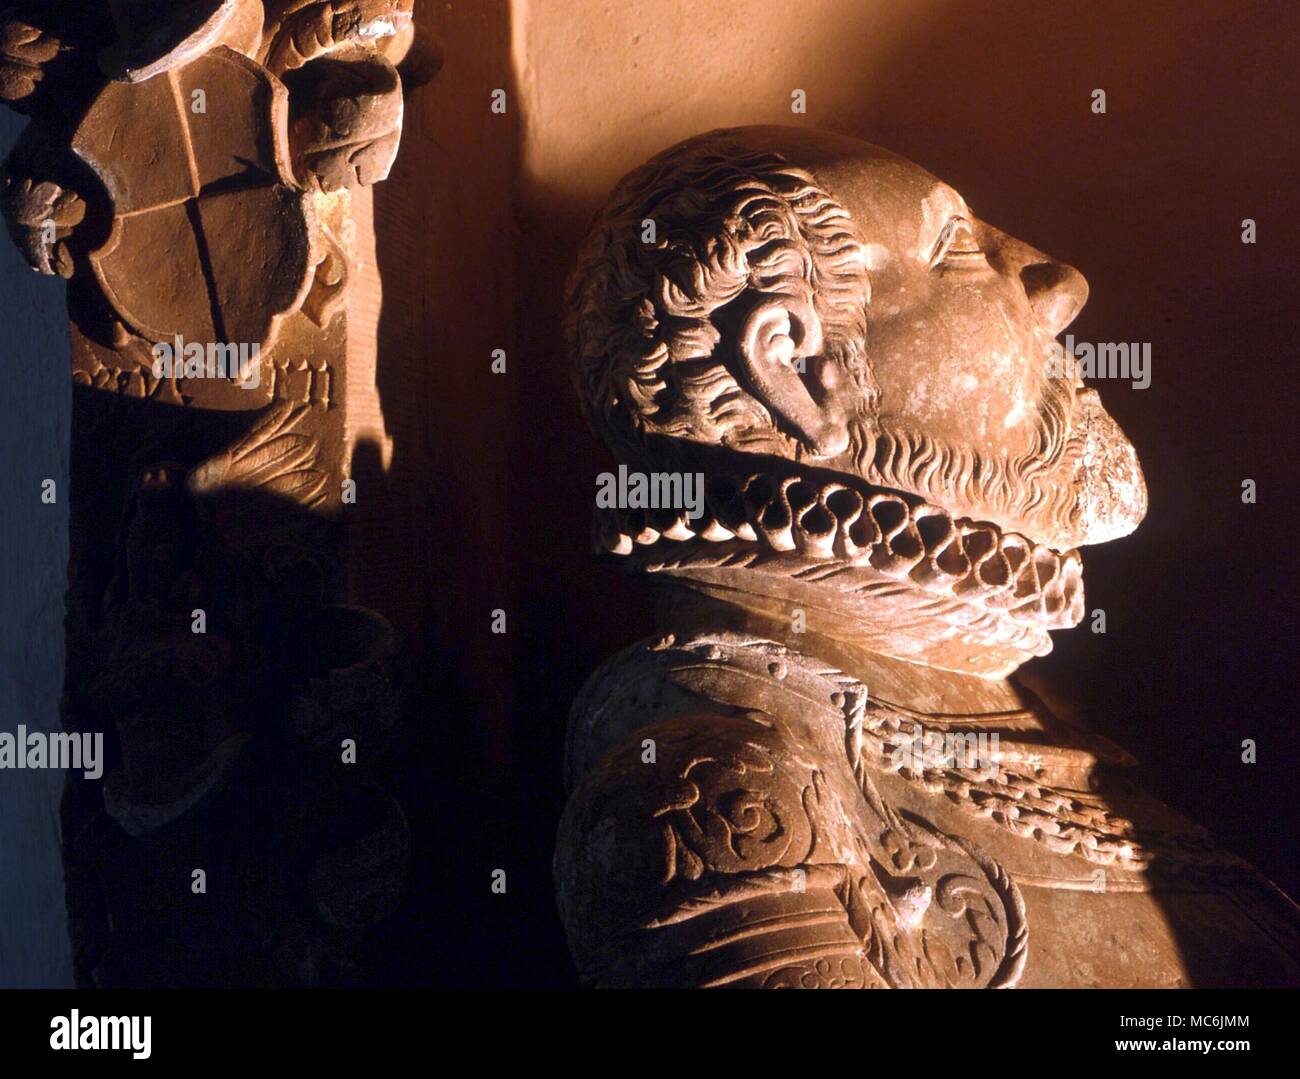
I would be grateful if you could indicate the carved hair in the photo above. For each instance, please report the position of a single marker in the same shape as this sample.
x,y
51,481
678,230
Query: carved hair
x,y
650,333
644,313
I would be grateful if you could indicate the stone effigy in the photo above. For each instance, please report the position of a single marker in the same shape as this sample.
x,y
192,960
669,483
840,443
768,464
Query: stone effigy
x,y
197,171
823,773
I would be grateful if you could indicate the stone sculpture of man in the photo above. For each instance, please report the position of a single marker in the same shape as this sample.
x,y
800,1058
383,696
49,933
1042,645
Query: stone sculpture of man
x,y
822,773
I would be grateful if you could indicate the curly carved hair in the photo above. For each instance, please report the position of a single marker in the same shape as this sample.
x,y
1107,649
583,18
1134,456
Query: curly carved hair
x,y
680,239
647,327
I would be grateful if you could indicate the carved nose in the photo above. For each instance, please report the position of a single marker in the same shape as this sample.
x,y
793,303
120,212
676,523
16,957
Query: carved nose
x,y
1056,292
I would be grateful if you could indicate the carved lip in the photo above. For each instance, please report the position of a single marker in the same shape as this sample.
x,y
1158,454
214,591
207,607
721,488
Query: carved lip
x,y
145,51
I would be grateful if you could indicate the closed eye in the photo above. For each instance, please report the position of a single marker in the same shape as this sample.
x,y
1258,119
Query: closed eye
x,y
956,247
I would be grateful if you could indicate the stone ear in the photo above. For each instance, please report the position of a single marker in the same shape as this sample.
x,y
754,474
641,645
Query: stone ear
x,y
778,348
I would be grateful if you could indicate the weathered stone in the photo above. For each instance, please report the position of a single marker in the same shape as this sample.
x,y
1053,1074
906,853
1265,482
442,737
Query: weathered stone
x,y
208,640
823,772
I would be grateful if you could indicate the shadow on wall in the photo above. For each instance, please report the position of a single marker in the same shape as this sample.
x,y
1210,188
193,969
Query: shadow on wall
x,y
441,552
35,415
1147,200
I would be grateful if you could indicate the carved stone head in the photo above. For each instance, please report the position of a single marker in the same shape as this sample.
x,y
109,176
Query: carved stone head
x,y
806,296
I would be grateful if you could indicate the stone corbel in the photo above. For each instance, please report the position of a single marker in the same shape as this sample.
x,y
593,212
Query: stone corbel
x,y
198,172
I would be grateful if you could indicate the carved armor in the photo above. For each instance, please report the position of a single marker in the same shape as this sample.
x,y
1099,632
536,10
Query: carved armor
x,y
740,817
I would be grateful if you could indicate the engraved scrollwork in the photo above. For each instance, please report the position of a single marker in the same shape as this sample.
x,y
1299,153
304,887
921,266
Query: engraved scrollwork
x,y
734,812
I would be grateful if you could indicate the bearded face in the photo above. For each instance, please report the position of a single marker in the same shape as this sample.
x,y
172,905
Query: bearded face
x,y
816,298
968,412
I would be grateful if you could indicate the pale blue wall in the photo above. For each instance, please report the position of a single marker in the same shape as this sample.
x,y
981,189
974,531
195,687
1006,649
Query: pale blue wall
x,y
35,408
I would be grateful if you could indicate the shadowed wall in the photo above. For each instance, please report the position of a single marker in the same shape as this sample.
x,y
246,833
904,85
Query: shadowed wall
x,y
35,417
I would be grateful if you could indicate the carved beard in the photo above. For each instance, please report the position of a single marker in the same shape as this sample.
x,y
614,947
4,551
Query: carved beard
x,y
1079,482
